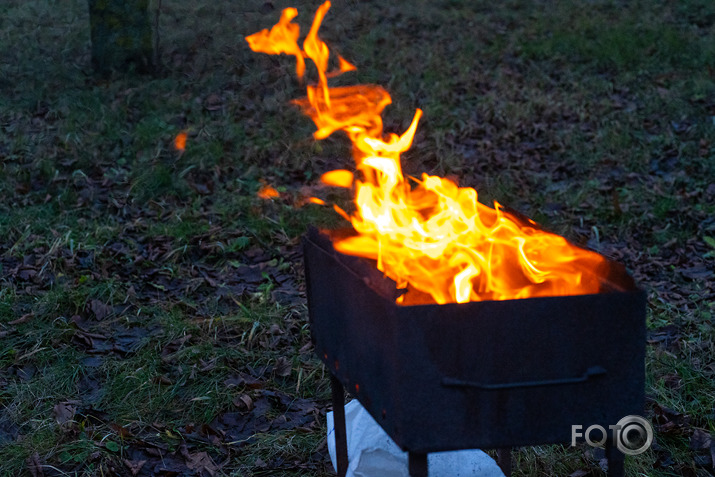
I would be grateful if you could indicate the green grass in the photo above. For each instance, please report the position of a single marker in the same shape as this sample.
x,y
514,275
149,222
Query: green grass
x,y
595,119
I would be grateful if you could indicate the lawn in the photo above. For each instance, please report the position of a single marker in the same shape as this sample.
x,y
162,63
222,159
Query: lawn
x,y
152,307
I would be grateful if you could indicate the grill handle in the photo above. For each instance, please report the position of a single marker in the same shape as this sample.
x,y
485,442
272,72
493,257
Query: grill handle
x,y
591,372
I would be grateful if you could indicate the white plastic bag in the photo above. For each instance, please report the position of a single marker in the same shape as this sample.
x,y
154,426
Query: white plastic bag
x,y
372,453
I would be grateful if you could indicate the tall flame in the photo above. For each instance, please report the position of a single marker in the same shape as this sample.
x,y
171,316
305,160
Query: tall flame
x,y
429,235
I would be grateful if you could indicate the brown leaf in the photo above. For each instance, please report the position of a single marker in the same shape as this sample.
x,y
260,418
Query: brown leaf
x,y
207,365
282,367
122,432
199,462
163,380
100,310
35,466
213,102
701,439
243,401
242,379
23,319
134,466
698,272
26,273
672,381
579,473
64,412
169,350
201,188
668,420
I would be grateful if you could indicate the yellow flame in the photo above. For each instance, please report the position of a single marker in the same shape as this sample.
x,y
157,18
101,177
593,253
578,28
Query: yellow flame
x,y
429,235
338,178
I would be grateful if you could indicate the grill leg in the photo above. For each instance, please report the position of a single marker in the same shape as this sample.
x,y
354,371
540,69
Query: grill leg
x,y
341,438
616,460
504,460
417,464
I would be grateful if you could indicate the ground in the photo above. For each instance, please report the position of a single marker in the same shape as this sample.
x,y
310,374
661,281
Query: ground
x,y
152,309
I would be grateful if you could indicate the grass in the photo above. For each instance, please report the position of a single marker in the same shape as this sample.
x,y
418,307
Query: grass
x,y
147,279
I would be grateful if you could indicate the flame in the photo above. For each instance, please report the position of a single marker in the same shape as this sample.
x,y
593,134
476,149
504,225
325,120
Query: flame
x,y
338,178
267,192
180,142
429,235
282,38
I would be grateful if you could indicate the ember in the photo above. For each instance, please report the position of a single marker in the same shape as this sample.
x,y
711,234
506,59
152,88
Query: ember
x,y
180,142
430,236
268,192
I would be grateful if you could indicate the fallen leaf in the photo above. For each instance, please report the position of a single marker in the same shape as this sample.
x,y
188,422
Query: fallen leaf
x,y
23,319
699,272
282,367
199,461
100,310
169,350
579,473
703,461
244,379
672,381
701,439
163,380
122,431
35,466
64,412
669,421
213,102
134,466
243,401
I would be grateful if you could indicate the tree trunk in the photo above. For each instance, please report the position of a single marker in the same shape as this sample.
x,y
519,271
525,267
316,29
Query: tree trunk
x,y
121,35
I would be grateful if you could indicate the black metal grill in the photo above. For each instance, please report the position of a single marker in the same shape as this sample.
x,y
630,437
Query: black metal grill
x,y
492,374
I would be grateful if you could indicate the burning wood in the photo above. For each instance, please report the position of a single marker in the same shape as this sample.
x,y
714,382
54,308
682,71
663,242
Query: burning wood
x,y
430,236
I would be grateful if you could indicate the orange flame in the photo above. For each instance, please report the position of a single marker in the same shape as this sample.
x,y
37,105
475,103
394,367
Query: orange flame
x,y
180,142
429,235
282,38
338,178
267,192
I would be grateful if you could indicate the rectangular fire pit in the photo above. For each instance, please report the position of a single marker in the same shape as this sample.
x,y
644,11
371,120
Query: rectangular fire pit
x,y
490,374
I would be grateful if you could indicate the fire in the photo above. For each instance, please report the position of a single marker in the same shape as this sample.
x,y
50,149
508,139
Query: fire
x,y
267,192
338,178
430,236
180,142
